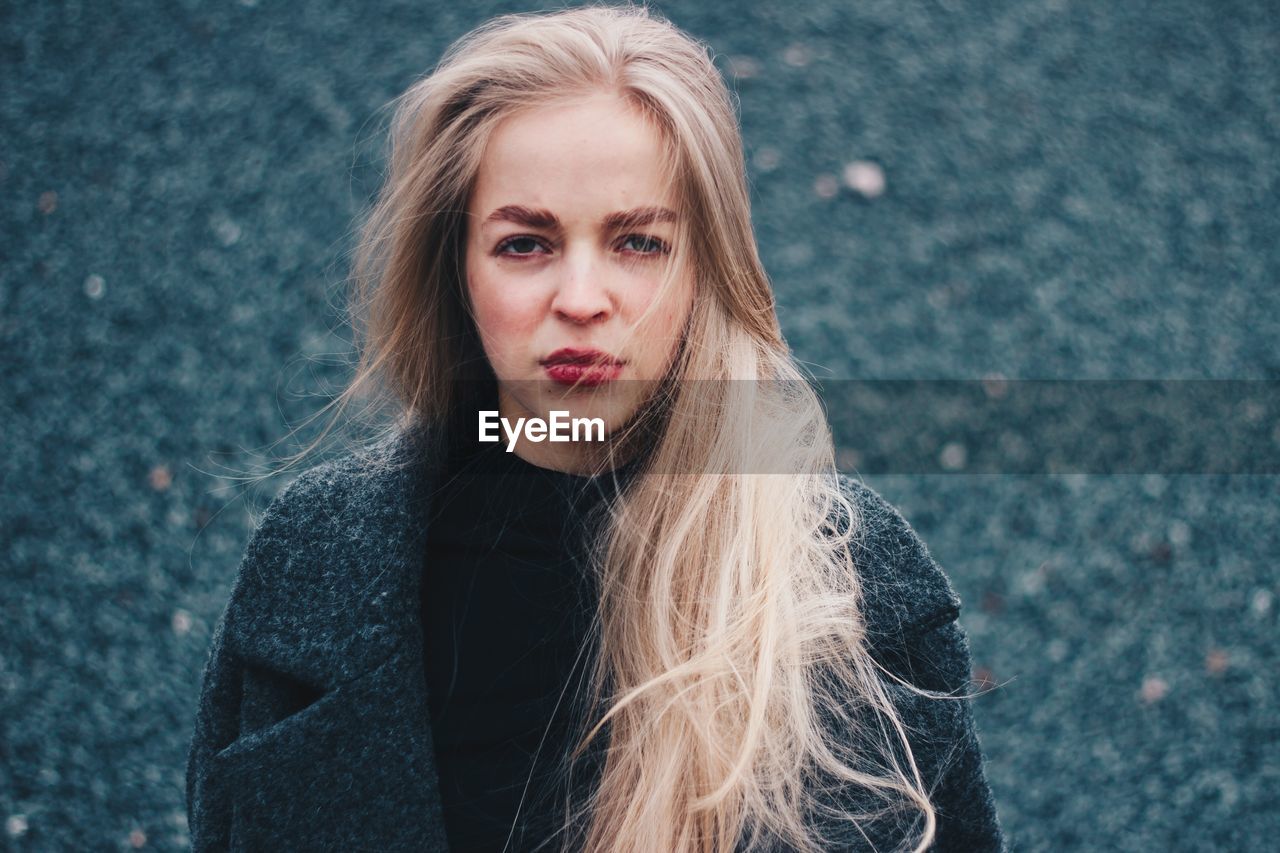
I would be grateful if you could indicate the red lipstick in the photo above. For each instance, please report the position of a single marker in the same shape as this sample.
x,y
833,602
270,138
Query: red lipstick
x,y
587,367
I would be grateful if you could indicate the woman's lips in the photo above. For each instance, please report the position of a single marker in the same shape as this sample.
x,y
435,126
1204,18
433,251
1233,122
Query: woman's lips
x,y
577,373
587,367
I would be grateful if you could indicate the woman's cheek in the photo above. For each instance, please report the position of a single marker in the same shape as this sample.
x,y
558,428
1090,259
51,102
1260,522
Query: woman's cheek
x,y
506,328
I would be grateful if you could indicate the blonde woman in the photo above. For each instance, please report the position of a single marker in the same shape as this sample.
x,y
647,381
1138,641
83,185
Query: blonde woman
x,y
679,629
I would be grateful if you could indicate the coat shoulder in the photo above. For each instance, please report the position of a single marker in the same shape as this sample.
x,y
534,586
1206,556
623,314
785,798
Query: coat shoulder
x,y
302,515
298,503
905,591
315,592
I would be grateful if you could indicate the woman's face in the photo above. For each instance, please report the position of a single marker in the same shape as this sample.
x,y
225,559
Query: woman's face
x,y
568,233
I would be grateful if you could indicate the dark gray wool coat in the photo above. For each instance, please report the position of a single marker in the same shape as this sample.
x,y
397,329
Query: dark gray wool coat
x,y
312,730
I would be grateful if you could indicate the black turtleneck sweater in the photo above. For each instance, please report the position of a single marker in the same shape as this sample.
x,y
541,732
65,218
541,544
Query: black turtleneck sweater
x,y
507,604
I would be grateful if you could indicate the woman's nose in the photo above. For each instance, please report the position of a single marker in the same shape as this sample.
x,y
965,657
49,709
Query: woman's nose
x,y
582,295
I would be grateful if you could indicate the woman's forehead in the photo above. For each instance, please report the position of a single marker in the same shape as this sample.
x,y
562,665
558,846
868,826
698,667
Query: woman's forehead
x,y
591,157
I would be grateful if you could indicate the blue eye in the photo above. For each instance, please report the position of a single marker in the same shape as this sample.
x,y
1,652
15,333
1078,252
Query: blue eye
x,y
655,246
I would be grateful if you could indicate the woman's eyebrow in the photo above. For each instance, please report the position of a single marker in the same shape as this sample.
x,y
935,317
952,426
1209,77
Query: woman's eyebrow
x,y
539,218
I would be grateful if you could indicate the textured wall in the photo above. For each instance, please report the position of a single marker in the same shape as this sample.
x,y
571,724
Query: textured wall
x,y
1040,189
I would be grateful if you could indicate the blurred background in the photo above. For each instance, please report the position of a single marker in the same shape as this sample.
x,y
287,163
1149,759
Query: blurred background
x,y
942,190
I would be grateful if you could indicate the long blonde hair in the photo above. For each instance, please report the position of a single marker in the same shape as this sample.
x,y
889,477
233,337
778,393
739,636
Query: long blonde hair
x,y
733,683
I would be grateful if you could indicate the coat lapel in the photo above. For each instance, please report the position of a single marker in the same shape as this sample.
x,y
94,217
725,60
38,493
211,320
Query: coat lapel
x,y
328,597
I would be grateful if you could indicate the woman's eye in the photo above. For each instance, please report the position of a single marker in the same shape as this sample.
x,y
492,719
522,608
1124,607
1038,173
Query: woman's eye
x,y
649,245
525,242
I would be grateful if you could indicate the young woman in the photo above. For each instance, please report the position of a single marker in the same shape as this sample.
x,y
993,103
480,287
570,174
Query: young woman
x,y
683,630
